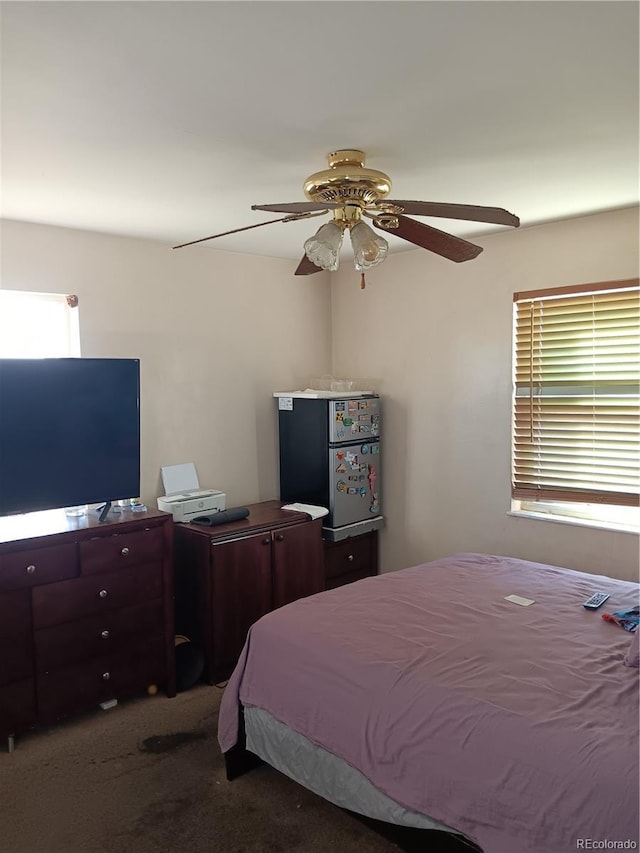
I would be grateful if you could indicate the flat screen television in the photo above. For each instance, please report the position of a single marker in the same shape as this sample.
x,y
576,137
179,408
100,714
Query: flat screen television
x,y
69,432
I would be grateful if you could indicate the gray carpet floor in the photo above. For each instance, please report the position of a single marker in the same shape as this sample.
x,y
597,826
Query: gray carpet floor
x,y
148,777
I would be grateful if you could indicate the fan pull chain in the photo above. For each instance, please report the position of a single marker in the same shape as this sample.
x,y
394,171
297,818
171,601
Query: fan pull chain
x,y
362,281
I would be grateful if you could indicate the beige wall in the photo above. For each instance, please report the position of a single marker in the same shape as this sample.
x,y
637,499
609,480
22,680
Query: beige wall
x,y
438,337
216,334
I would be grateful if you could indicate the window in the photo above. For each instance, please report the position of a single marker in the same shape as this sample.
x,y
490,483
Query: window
x,y
576,411
38,325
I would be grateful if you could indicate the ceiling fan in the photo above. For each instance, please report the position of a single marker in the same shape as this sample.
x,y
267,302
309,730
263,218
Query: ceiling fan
x,y
351,192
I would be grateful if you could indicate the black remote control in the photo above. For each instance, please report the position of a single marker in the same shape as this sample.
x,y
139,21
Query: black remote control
x,y
225,516
596,600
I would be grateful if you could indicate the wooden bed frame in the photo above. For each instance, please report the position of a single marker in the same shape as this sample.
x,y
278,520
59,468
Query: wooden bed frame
x,y
239,760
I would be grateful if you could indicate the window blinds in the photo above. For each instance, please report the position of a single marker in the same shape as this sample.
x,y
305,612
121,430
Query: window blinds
x,y
576,411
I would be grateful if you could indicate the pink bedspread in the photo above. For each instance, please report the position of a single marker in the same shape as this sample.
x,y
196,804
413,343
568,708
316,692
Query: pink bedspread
x,y
517,726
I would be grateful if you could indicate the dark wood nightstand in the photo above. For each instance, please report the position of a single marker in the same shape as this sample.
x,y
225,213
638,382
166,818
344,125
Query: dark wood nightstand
x,y
228,576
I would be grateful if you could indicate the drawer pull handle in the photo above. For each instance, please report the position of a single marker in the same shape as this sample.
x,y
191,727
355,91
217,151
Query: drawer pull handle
x,y
280,537
106,676
350,558
266,541
103,593
30,570
105,635
124,551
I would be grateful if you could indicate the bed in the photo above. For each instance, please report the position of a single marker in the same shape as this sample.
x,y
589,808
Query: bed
x,y
424,698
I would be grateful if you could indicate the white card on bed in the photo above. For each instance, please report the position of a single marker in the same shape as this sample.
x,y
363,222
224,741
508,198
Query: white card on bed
x,y
518,599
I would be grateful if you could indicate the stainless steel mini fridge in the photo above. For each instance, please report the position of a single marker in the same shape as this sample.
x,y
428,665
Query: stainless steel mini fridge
x,y
330,455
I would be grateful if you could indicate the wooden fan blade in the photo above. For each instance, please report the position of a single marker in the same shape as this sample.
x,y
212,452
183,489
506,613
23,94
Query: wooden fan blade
x,y
474,212
454,248
295,207
306,267
234,231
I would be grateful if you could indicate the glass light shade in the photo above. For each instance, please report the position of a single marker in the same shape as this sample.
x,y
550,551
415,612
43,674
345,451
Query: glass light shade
x,y
323,249
369,248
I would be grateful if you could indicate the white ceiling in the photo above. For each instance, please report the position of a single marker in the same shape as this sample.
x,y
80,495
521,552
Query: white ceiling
x,y
167,120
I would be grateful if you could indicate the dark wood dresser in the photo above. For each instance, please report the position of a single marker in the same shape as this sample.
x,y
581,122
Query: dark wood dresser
x,y
228,576
86,612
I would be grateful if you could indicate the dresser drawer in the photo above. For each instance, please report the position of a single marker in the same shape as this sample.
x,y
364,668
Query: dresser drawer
x,y
121,550
15,612
341,580
61,602
349,556
16,658
83,685
17,706
94,636
38,566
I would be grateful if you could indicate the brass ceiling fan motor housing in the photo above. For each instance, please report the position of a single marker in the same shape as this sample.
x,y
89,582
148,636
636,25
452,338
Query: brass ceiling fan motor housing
x,y
347,181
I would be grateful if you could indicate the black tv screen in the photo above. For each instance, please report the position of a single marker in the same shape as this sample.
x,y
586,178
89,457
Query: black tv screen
x,y
69,432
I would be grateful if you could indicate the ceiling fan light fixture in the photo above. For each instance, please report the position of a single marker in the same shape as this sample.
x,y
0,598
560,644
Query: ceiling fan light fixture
x,y
351,190
369,249
323,249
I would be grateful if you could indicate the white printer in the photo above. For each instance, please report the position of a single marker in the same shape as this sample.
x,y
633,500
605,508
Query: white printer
x,y
184,498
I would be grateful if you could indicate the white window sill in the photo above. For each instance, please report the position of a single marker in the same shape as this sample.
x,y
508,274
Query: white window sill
x,y
580,522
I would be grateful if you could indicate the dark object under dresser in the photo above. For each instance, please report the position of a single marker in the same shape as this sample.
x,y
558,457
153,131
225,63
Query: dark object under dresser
x,y
86,612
